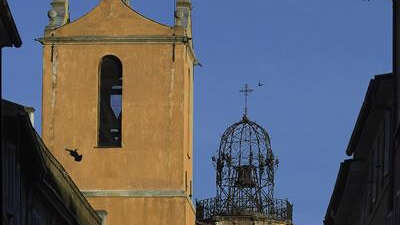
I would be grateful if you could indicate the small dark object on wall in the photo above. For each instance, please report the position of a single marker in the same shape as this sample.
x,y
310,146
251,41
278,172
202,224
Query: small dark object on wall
x,y
74,153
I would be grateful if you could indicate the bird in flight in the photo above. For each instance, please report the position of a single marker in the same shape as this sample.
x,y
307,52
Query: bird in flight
x,y
74,153
260,84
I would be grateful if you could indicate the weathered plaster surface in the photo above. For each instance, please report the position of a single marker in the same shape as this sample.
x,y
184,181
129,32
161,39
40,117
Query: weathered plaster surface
x,y
156,121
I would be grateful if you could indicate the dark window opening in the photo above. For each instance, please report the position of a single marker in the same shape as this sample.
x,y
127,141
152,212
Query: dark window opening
x,y
110,102
186,178
191,189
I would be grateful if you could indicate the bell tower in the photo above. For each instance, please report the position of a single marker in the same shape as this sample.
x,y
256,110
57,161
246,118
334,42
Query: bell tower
x,y
118,90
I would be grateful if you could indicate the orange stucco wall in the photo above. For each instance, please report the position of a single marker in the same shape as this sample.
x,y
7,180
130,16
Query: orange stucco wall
x,y
157,102
163,211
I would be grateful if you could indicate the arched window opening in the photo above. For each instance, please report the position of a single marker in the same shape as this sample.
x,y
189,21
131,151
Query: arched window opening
x,y
110,107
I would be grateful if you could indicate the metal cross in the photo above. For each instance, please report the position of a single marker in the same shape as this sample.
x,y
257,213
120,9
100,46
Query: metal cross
x,y
246,92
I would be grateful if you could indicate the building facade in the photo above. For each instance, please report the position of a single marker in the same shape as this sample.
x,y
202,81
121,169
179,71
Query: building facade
x,y
379,203
9,37
396,105
118,90
364,192
35,187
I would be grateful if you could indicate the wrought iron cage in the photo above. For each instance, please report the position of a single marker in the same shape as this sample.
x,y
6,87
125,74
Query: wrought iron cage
x,y
245,169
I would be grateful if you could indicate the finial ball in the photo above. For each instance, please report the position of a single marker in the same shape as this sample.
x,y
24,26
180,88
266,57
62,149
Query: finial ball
x,y
52,14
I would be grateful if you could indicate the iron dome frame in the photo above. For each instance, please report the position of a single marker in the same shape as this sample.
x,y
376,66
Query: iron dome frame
x,y
245,176
245,167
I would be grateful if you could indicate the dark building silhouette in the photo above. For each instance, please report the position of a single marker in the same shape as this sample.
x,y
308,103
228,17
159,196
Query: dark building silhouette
x,y
35,187
363,193
396,139
9,35
367,189
396,61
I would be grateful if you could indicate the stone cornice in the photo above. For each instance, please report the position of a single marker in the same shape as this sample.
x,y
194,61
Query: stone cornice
x,y
113,39
96,40
138,194
133,193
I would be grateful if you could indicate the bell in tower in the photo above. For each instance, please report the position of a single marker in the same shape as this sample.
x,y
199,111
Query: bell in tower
x,y
245,176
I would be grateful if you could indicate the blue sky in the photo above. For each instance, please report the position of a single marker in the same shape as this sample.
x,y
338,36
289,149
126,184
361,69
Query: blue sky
x,y
315,57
